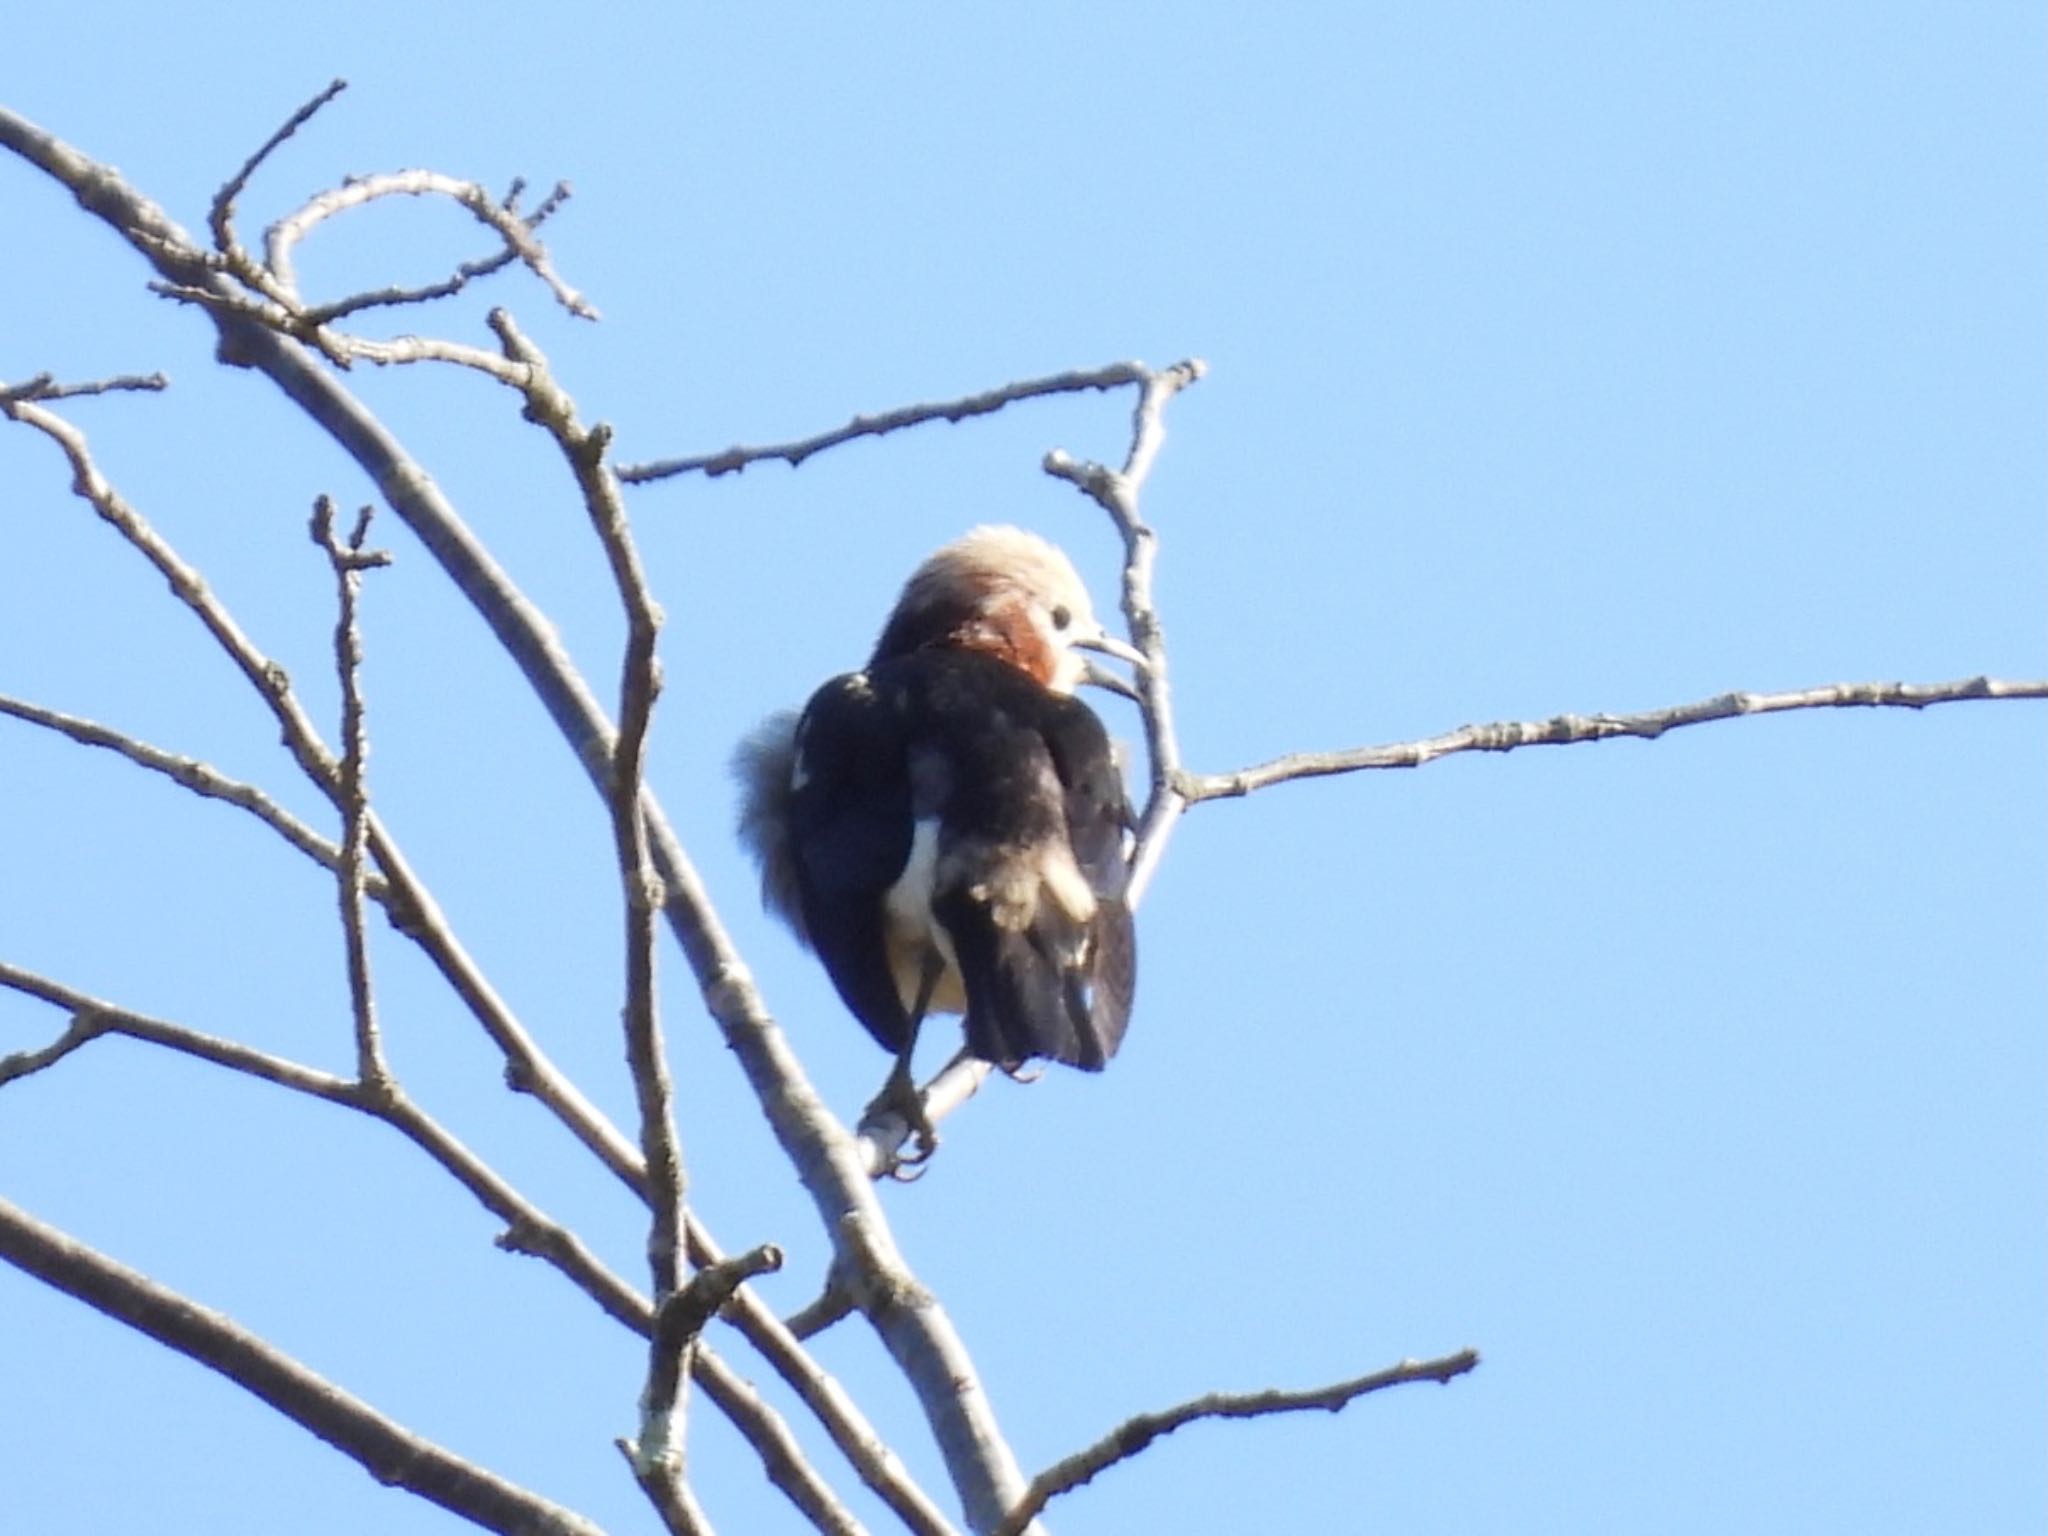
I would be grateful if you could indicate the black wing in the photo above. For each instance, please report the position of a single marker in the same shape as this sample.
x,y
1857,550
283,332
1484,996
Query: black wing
x,y
850,832
1036,809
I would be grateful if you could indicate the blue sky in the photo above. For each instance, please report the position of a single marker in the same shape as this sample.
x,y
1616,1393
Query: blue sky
x,y
1571,357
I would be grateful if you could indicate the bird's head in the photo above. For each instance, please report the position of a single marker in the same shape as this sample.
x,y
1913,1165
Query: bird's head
x,y
1013,595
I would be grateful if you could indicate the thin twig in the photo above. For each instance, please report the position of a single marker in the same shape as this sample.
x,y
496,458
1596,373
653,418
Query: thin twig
x,y
1566,730
220,218
349,561
288,231
866,1451
44,386
413,909
793,454
782,1456
93,1017
529,1230
657,1453
1136,1433
1117,493
385,1449
201,778
468,272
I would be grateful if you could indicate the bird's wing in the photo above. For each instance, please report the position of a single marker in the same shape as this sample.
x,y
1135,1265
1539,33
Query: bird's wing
x,y
850,830
1030,888
1099,819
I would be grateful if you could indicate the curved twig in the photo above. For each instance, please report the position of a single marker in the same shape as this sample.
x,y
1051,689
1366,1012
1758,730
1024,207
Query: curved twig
x,y
1139,1431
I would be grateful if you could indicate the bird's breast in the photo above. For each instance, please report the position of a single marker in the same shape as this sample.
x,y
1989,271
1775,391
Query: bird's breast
x,y
911,931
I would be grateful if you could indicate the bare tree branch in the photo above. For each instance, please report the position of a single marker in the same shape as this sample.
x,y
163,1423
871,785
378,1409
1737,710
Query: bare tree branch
x,y
528,1229
221,217
201,778
466,273
533,645
1136,1433
93,1017
782,1457
44,386
286,233
349,561
737,458
1566,730
657,1456
384,1448
869,1454
1117,493
919,1337
413,909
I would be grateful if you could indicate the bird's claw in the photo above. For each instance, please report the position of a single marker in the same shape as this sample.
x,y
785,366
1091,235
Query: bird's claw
x,y
900,1098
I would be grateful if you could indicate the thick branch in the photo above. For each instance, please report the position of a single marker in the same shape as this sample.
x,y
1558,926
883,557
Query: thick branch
x,y
385,1449
793,454
1565,730
1136,1433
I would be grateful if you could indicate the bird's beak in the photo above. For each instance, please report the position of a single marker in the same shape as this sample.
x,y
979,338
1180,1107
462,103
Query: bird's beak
x,y
1094,672
1109,645
1097,675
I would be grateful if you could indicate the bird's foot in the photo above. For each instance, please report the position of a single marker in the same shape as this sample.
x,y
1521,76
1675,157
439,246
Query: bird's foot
x,y
900,1098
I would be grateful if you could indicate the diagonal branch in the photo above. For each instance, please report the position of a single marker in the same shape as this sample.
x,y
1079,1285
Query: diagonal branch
x,y
793,454
1567,730
221,217
384,1448
1136,1433
535,648
201,778
529,1230
413,909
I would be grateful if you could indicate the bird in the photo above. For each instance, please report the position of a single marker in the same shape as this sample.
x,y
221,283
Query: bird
x,y
947,828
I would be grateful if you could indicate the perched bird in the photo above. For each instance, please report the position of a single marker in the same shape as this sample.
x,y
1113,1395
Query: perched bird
x,y
946,829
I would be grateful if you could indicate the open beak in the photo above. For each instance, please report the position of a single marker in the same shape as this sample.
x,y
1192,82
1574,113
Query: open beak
x,y
1095,673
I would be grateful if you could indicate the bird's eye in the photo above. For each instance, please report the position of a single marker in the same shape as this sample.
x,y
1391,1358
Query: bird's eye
x,y
1062,616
